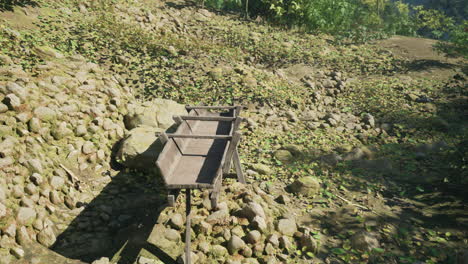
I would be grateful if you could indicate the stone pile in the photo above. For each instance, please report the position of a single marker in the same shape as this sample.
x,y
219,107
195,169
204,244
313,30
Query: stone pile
x,y
58,126
248,226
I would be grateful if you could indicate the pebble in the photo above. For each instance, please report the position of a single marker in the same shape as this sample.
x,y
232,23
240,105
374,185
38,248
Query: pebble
x,y
235,244
12,101
88,148
259,223
177,221
3,210
17,252
25,215
253,236
287,227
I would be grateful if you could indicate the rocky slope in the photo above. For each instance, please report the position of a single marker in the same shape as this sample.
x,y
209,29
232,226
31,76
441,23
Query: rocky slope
x,y
353,154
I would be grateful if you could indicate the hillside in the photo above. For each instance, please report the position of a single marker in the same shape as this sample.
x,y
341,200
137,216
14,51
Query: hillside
x,y
352,153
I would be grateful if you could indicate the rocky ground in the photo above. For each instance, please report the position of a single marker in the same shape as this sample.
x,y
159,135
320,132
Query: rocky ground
x,y
353,153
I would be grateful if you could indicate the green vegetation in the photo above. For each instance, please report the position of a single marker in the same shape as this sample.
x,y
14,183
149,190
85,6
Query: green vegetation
x,y
356,20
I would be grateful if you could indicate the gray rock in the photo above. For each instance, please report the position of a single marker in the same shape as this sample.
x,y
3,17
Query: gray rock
x,y
246,252
102,260
4,162
177,221
218,251
251,210
259,223
22,236
12,101
238,231
204,247
218,217
369,120
88,148
172,235
55,198
156,114
253,236
309,243
283,199
331,159
36,178
2,194
285,243
3,108
262,169
17,252
141,148
30,189
3,210
286,227
47,53
46,237
274,240
45,113
26,202
25,215
283,155
309,186
61,131
292,116
269,249
57,182
193,257
364,241
34,125
81,130
9,230
235,244
17,89
143,260
35,165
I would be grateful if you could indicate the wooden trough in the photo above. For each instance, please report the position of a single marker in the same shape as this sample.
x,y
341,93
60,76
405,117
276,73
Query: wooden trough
x,y
199,153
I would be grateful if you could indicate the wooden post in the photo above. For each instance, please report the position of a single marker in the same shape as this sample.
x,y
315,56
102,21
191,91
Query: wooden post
x,y
238,167
177,119
230,152
163,137
171,200
238,110
188,205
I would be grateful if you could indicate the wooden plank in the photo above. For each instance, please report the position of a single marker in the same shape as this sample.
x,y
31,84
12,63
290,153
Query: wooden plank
x,y
237,111
238,167
209,118
199,136
189,107
163,137
178,120
232,146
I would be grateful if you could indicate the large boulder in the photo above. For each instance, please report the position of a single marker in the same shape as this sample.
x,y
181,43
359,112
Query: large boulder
x,y
157,113
141,148
309,186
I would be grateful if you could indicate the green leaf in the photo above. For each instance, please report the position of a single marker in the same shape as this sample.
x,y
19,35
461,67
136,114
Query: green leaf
x,y
378,250
338,251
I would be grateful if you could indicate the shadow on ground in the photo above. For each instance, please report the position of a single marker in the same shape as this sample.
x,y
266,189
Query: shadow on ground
x,y
8,5
411,195
118,222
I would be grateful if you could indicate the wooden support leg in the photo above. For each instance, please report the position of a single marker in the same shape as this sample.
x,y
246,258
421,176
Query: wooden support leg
x,y
215,194
172,197
230,152
238,167
187,227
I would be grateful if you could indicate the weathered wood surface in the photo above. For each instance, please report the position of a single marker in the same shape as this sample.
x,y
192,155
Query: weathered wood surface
x,y
193,154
